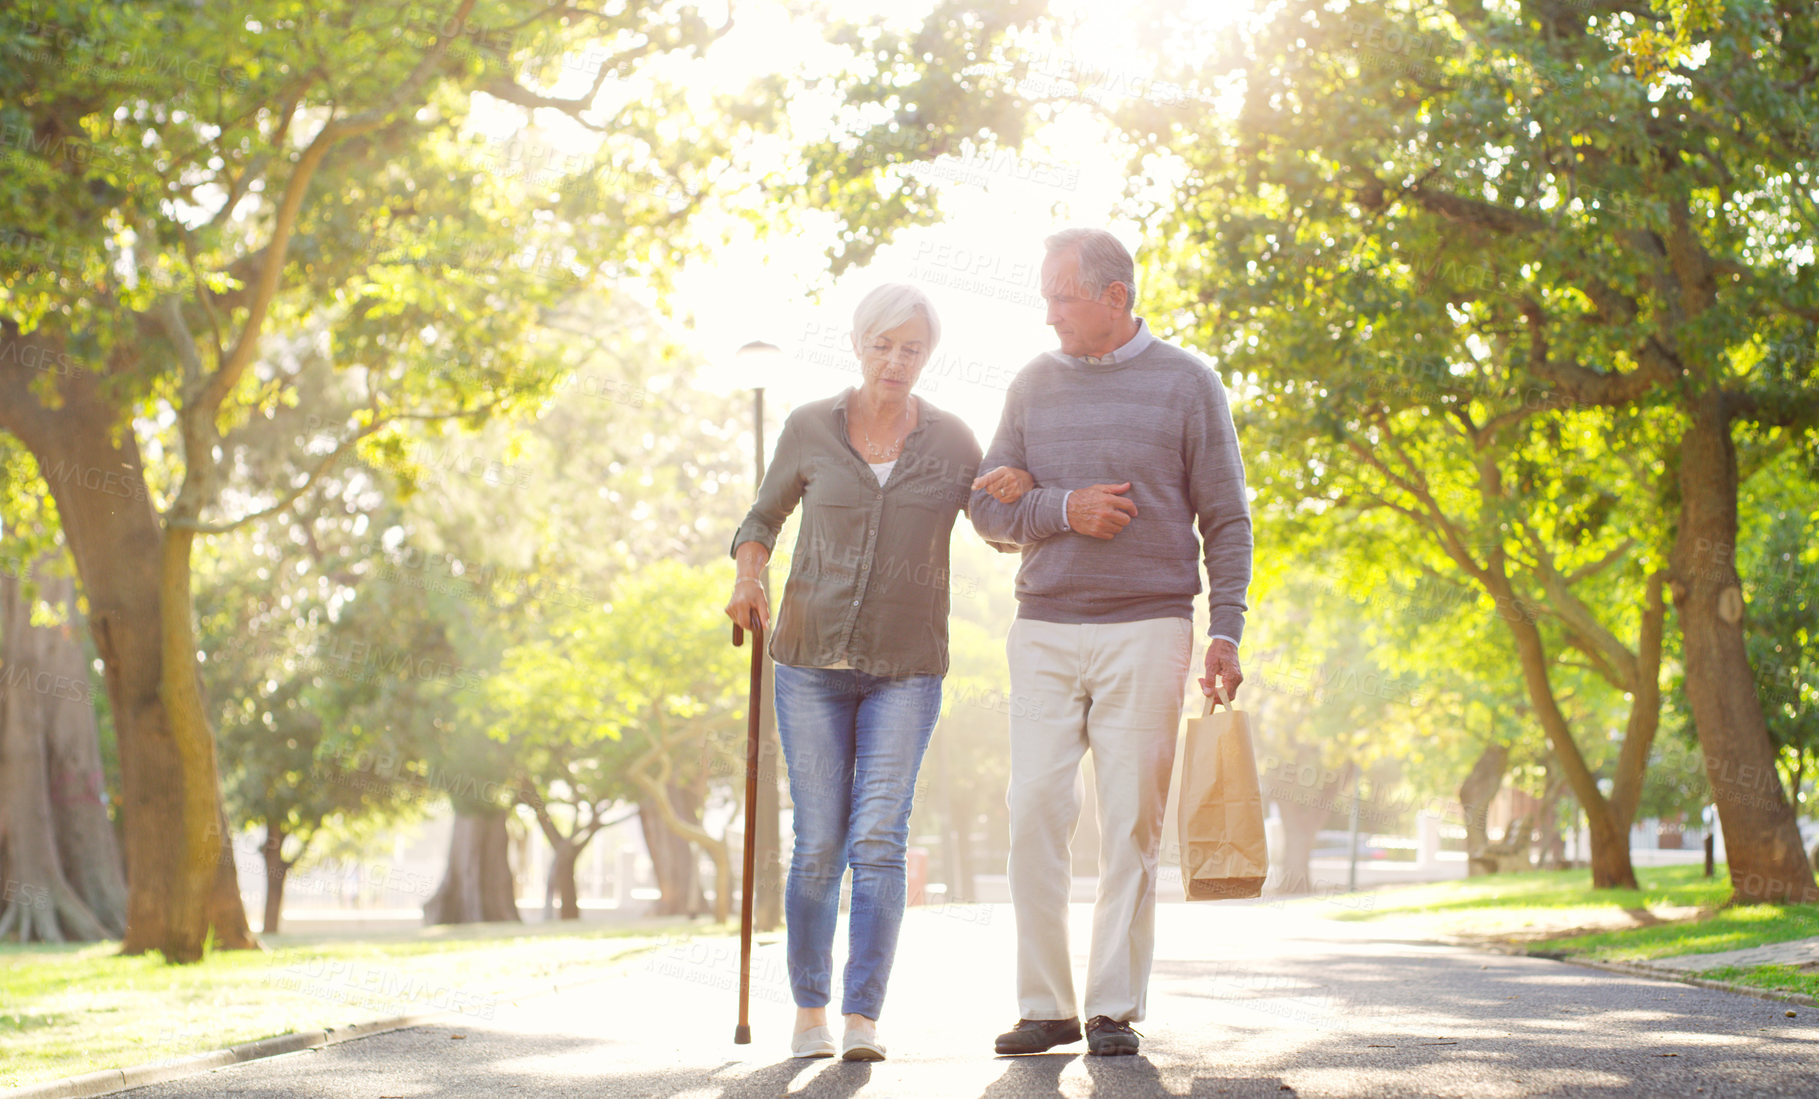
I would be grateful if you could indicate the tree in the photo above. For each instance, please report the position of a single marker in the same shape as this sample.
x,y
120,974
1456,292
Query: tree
x,y
301,664
315,169
643,696
1620,221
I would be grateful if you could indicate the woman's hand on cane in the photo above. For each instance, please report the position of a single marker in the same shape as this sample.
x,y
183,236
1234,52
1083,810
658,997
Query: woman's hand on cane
x,y
749,604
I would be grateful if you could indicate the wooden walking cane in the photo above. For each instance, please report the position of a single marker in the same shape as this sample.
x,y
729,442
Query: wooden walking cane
x,y
742,1035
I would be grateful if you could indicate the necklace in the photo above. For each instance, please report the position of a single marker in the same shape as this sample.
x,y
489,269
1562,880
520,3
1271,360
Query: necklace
x,y
884,453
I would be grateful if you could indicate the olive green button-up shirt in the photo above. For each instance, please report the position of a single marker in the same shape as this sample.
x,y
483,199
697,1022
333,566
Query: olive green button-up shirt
x,y
868,582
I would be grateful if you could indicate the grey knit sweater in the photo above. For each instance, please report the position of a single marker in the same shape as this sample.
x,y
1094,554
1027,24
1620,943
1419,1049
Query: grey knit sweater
x,y
1159,421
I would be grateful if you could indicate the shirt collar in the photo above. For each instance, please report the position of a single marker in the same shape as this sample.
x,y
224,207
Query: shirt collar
x,y
926,413
1132,347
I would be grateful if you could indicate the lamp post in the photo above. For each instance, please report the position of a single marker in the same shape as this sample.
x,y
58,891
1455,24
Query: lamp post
x,y
1351,871
755,361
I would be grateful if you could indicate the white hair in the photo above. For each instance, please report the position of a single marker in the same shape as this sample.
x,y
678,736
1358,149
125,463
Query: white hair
x,y
889,306
1103,261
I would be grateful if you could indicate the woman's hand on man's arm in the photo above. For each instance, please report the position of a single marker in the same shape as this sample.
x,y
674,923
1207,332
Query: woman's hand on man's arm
x,y
1006,484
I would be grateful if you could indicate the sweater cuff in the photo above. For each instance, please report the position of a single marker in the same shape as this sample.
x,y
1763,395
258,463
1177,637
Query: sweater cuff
x,y
1227,622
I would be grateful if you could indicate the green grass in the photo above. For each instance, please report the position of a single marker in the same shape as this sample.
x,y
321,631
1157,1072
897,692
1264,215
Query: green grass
x,y
71,1009
1726,929
1551,890
1557,913
1782,978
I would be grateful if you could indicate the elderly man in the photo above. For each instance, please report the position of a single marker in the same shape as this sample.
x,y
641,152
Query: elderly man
x,y
1131,445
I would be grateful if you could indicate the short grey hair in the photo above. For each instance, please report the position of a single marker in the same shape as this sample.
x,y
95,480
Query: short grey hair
x,y
889,306
1103,260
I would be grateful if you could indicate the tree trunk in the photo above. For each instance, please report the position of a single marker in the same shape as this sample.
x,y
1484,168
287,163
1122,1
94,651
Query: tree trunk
x,y
1302,808
37,903
563,871
276,871
957,839
1761,835
1550,852
64,720
1511,853
672,855
690,828
565,848
136,583
226,911
661,844
1475,794
1610,856
477,887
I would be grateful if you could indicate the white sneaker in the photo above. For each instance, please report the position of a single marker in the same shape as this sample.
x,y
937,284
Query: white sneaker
x,y
816,1041
861,1046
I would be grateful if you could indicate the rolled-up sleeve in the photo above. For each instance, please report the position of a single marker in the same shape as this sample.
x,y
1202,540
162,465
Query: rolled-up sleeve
x,y
777,496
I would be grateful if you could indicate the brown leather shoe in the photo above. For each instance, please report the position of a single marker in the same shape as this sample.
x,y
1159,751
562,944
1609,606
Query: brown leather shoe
x,y
1038,1035
1107,1036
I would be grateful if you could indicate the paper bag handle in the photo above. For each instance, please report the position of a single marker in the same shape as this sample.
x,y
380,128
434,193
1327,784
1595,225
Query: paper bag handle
x,y
1218,686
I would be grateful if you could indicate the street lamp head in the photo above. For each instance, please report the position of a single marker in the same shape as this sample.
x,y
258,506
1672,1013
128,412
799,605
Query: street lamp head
x,y
755,364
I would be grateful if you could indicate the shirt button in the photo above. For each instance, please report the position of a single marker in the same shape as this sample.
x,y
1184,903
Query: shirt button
x,y
855,602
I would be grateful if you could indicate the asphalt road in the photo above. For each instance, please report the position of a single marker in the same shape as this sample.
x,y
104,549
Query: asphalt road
x,y
1246,1000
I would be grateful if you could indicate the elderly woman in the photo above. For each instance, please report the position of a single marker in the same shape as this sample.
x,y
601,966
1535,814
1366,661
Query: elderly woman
x,y
860,645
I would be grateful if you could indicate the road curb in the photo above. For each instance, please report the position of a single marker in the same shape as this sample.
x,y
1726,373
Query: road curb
x,y
110,1081
1662,973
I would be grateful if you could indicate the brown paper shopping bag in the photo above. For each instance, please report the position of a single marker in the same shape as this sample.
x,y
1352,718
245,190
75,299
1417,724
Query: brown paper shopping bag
x,y
1223,855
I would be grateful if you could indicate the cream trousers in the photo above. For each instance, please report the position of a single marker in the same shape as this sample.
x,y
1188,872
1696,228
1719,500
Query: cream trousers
x,y
1115,688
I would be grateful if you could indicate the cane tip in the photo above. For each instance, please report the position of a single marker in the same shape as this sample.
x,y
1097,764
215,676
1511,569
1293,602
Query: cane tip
x,y
742,1035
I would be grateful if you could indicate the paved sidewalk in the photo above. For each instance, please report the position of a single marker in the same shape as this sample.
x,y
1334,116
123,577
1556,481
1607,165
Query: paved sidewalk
x,y
1798,952
1247,1000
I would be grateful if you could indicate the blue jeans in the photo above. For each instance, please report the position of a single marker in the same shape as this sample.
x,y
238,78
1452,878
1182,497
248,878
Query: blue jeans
x,y
853,743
